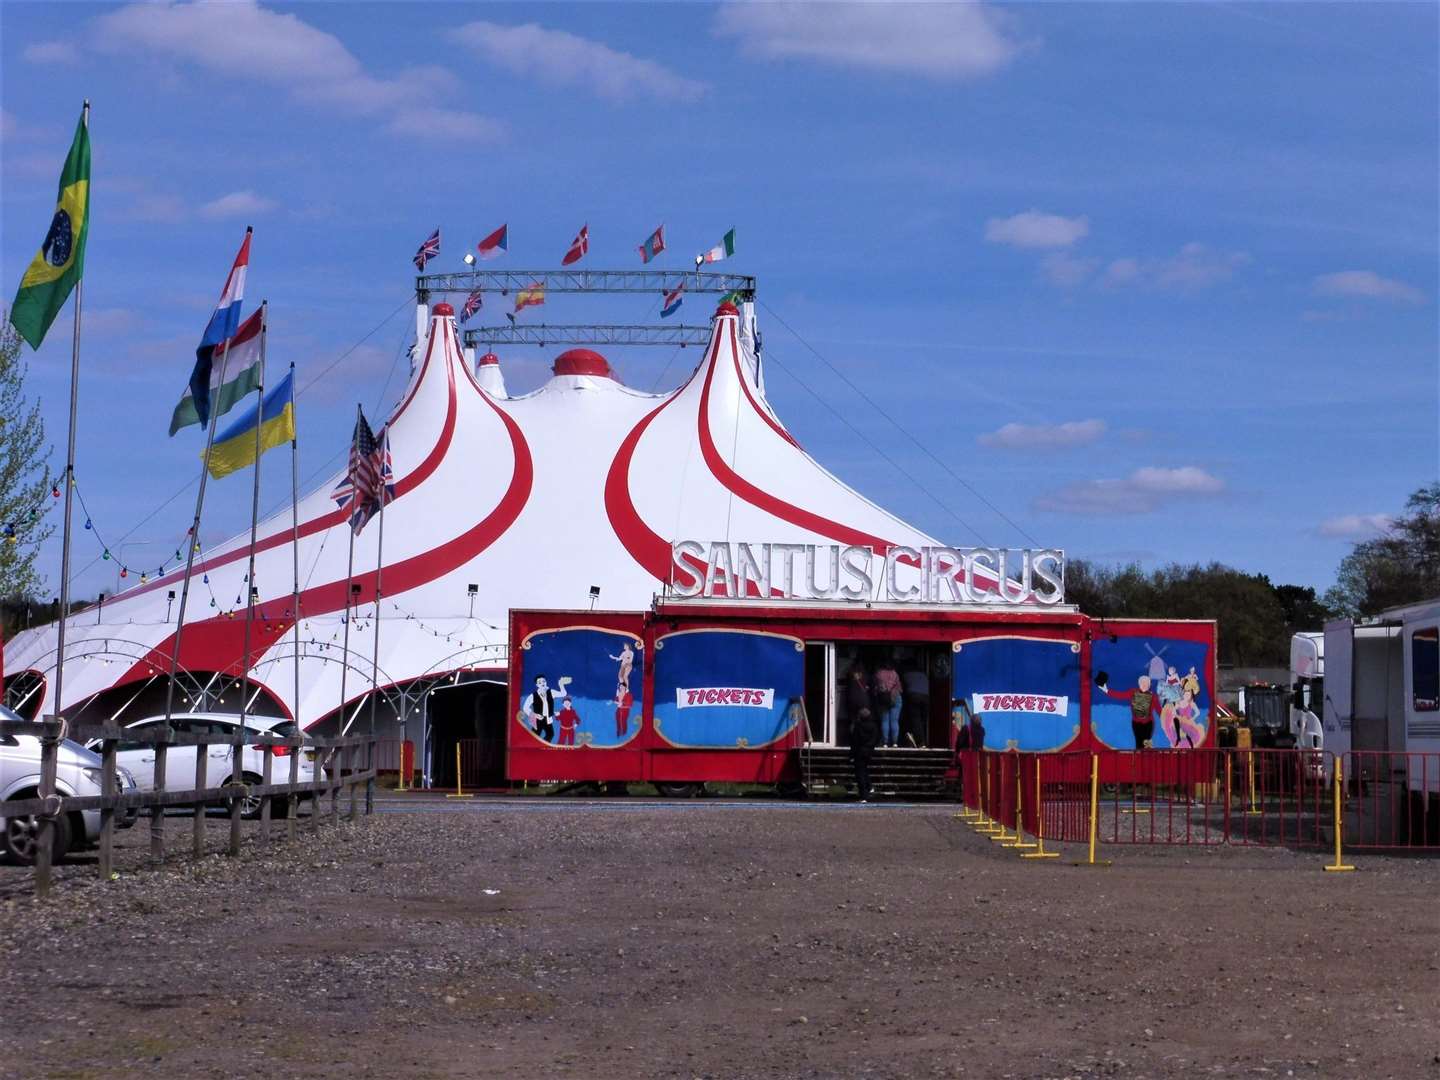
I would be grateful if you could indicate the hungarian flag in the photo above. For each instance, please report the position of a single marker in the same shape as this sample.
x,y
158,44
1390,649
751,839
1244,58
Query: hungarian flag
x,y
673,300
531,297
496,244
60,261
722,250
473,303
653,245
578,247
243,373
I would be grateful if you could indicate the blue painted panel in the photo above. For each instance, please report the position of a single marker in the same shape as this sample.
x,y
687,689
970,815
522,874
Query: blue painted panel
x,y
1175,671
724,688
590,667
1026,691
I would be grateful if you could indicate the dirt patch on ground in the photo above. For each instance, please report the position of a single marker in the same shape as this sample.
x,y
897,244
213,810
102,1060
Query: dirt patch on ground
x,y
614,939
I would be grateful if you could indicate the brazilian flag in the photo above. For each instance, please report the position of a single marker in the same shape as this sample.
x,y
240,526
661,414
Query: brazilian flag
x,y
61,259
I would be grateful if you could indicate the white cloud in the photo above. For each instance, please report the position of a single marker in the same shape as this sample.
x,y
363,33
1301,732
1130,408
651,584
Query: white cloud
x,y
1368,285
249,43
236,204
1195,266
1036,229
560,58
158,207
445,124
1044,436
111,322
1355,526
939,41
1142,492
52,52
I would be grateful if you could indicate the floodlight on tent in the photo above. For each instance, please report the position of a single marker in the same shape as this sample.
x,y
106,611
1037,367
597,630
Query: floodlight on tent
x,y
594,595
469,259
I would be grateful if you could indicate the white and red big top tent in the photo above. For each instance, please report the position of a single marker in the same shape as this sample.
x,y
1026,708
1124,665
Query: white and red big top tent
x,y
533,499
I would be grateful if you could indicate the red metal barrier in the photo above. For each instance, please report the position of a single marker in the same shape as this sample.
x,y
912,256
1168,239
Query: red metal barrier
x,y
1392,800
395,756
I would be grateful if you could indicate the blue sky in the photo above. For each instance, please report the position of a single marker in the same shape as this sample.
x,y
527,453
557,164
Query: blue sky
x,y
1159,280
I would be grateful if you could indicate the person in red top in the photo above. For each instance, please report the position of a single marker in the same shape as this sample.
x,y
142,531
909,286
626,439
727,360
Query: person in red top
x,y
1144,707
624,701
569,720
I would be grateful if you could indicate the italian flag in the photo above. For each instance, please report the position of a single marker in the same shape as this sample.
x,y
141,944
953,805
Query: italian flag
x,y
722,250
60,261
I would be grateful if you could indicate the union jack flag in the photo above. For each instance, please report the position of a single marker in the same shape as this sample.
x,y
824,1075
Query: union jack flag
x,y
430,249
473,303
370,479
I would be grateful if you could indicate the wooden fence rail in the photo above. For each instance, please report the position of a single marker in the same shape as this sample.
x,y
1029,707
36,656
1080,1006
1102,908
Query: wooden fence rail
x,y
349,761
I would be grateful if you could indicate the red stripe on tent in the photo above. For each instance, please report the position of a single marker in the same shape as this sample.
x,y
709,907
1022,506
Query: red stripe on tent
x,y
218,642
645,546
406,484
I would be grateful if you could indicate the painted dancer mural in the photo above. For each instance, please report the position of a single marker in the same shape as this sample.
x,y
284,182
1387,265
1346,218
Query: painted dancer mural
x,y
1152,693
600,667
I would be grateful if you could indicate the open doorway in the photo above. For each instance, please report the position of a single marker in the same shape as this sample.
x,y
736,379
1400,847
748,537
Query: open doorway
x,y
469,716
923,671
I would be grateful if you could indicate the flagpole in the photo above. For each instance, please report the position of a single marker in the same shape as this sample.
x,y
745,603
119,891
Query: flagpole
x,y
375,654
193,540
295,752
343,727
239,756
48,761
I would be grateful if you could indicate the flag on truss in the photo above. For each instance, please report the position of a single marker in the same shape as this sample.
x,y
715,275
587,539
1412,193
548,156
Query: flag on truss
x,y
473,303
722,250
673,299
578,247
653,245
531,297
428,250
496,244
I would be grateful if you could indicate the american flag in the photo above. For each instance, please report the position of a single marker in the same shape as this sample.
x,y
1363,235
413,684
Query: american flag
x,y
369,478
430,249
473,303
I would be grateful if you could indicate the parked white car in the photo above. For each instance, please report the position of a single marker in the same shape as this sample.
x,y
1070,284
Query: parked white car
x,y
139,757
77,773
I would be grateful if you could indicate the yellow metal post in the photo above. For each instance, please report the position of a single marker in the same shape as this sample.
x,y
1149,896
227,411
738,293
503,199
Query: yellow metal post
x,y
1339,866
1253,810
1094,814
1019,841
459,789
1039,852
401,785
1001,834
983,822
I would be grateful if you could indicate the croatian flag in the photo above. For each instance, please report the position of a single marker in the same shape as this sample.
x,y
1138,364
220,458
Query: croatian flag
x,y
673,300
578,247
653,245
222,326
496,244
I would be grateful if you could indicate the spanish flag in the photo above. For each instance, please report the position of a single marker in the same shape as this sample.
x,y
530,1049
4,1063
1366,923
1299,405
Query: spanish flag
x,y
235,447
530,297
61,259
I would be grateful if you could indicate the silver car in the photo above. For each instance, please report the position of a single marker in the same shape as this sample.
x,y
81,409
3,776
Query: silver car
x,y
77,773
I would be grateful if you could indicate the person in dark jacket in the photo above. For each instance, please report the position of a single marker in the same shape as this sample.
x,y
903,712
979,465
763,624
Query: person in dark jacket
x,y
864,728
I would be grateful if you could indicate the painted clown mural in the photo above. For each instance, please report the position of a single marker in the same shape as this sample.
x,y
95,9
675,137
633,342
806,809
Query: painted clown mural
x,y
1151,692
581,686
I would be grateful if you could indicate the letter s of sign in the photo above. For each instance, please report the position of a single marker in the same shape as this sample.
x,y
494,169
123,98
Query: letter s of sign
x,y
1049,568
684,581
855,561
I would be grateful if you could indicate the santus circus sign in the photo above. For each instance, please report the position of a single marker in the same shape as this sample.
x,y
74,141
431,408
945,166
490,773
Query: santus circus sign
x,y
858,572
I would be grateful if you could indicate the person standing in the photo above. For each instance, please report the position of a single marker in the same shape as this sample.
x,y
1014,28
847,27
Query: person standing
x,y
864,730
888,703
916,686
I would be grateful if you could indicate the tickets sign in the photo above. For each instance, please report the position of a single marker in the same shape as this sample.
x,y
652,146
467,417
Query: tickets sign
x,y
687,697
1021,703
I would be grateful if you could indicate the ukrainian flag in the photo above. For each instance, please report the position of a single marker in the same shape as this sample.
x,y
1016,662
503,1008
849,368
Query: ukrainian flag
x,y
235,447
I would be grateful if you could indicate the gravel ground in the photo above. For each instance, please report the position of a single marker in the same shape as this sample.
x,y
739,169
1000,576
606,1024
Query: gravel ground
x,y
547,938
